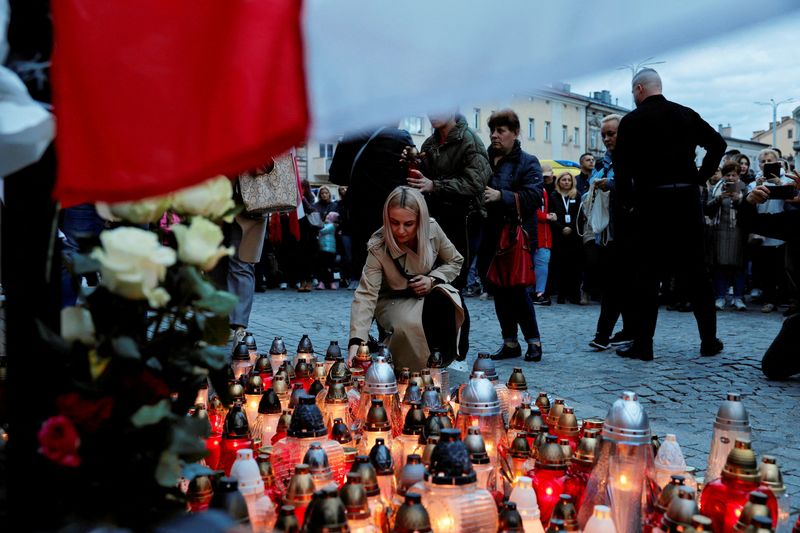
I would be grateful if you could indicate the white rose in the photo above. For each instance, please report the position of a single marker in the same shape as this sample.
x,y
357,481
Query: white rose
x,y
142,211
133,263
199,243
77,325
211,199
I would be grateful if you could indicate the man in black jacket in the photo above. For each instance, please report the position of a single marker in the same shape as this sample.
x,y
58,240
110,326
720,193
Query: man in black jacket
x,y
661,208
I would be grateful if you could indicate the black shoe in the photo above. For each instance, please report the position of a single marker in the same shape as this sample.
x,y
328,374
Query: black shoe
x,y
561,300
711,348
634,351
507,352
542,300
620,338
460,357
600,343
534,353
686,307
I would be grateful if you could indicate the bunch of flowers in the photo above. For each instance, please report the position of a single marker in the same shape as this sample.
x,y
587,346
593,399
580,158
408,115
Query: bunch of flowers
x,y
133,353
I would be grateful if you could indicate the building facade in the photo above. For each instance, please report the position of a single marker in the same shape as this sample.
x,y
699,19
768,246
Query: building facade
x,y
554,124
786,135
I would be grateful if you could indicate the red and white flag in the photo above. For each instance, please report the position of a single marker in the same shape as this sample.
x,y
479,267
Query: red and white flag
x,y
154,95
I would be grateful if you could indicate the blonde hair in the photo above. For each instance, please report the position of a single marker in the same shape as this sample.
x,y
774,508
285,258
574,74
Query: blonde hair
x,y
573,191
411,199
609,118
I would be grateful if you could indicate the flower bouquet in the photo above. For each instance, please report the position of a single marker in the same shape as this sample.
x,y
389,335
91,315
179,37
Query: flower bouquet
x,y
132,355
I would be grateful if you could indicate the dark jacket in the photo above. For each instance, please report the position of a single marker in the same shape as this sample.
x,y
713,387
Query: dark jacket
x,y
459,168
518,172
656,146
572,209
376,174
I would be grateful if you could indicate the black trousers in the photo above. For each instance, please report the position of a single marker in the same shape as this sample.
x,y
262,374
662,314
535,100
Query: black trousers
x,y
439,324
615,274
781,360
667,233
462,231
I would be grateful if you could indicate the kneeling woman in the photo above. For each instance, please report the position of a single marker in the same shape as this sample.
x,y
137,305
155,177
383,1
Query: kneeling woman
x,y
405,284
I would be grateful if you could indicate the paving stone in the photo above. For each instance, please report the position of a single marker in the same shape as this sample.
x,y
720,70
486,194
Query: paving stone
x,y
680,390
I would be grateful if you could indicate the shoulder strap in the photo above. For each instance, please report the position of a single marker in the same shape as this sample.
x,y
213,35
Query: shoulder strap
x,y
364,147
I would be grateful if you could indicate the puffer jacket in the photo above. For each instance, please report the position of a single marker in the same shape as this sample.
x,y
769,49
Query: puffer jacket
x,y
459,168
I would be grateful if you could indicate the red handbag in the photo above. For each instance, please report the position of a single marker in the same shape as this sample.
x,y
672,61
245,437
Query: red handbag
x,y
512,264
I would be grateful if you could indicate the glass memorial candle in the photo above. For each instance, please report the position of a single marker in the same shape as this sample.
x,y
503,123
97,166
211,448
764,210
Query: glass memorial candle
x,y
524,496
450,491
369,478
412,517
549,476
732,422
376,426
336,404
517,391
600,521
235,437
252,397
771,476
381,458
266,422
408,442
480,406
242,365
299,491
723,499
380,384
318,466
354,498
263,368
277,353
486,472
580,467
403,377
485,364
567,427
333,353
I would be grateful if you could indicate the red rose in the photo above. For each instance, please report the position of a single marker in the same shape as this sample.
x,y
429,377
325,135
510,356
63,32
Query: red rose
x,y
59,441
86,413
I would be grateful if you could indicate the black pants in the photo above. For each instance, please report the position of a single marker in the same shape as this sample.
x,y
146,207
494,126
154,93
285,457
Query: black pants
x,y
781,359
439,324
515,307
565,264
462,231
769,271
615,269
668,237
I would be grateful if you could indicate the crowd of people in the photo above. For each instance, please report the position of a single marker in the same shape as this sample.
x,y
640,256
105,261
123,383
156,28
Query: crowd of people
x,y
414,233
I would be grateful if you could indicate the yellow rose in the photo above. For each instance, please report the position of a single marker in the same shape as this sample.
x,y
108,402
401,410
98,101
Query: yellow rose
x,y
199,243
133,263
210,199
142,211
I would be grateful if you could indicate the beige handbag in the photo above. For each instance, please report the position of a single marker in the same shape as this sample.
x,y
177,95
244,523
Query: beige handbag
x,y
273,192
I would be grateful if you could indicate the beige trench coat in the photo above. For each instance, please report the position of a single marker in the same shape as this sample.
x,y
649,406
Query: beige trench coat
x,y
403,316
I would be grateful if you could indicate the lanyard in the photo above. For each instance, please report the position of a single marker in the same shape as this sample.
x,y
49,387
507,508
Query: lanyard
x,y
566,203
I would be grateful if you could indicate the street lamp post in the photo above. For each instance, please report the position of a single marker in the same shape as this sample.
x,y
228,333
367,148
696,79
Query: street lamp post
x,y
775,105
636,67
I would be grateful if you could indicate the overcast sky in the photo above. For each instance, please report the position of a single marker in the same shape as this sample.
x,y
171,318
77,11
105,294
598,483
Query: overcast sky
x,y
722,77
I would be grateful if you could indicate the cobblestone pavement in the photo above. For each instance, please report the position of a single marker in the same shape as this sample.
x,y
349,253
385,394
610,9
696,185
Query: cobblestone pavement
x,y
680,390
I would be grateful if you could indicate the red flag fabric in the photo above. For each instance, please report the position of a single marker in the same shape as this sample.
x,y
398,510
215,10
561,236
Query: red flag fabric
x,y
153,95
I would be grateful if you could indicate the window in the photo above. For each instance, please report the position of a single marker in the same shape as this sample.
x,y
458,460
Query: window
x,y
531,128
414,125
594,137
476,118
564,139
547,131
326,150
789,133
576,136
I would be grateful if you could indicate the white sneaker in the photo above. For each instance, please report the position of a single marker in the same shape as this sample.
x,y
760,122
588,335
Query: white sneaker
x,y
720,304
755,293
739,304
284,286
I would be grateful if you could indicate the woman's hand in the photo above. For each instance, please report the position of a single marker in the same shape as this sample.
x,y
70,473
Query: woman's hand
x,y
491,195
567,230
351,353
421,285
602,184
418,180
552,217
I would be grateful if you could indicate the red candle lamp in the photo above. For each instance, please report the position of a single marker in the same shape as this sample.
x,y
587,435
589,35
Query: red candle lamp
x,y
580,467
723,499
549,476
567,427
263,368
235,436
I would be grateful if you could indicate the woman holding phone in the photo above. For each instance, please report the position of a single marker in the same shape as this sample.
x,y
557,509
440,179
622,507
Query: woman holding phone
x,y
405,285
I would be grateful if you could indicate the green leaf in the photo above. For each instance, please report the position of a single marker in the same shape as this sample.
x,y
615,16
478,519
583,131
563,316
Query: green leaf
x,y
187,442
193,470
216,329
84,264
213,357
192,282
218,302
168,470
53,339
126,347
148,415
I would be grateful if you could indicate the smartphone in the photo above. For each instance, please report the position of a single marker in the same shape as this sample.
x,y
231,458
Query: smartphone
x,y
782,192
729,186
772,170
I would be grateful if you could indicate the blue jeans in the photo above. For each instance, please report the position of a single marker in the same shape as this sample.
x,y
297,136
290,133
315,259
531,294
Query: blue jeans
x,y
725,276
541,261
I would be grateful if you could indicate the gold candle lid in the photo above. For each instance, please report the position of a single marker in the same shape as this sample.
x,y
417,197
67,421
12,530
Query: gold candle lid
x,y
771,475
741,463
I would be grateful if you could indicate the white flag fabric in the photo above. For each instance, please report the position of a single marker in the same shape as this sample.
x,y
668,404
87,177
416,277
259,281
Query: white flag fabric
x,y
369,62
